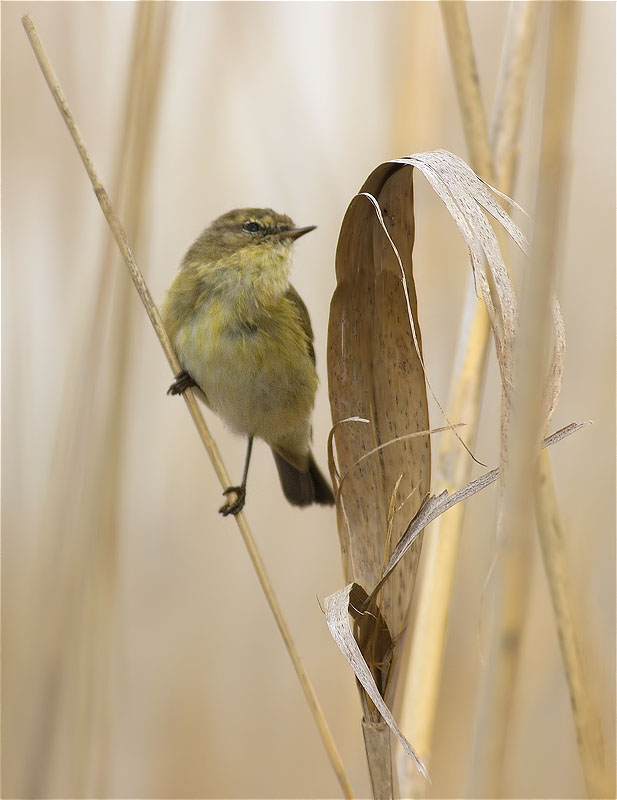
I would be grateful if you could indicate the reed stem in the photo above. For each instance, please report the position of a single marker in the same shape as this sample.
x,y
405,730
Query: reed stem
x,y
441,544
552,188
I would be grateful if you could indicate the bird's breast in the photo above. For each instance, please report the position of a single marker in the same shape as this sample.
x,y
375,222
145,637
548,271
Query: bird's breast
x,y
254,369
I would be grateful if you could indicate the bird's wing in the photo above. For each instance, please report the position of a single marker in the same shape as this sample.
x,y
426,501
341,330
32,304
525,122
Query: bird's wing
x,y
303,316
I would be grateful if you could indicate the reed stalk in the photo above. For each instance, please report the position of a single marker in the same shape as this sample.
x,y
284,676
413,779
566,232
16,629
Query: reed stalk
x,y
598,772
425,665
191,402
133,174
521,479
551,195
516,505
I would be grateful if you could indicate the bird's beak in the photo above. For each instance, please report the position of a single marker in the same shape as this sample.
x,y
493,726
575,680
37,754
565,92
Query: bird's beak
x,y
295,233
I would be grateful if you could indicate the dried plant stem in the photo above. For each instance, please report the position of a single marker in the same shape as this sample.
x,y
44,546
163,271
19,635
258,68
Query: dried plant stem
x,y
522,438
191,402
599,778
441,545
510,93
133,175
428,637
525,430
560,79
460,45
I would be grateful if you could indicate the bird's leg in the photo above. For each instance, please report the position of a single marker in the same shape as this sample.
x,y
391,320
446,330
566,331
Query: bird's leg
x,y
182,382
235,506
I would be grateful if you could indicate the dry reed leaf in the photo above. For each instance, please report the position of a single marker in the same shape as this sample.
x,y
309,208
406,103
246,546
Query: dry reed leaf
x,y
435,505
337,608
377,386
339,479
375,373
457,185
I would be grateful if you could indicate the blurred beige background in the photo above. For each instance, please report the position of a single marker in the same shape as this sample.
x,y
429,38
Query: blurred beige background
x,y
139,655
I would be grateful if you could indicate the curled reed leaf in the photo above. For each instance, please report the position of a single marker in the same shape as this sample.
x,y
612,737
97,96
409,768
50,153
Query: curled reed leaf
x,y
435,505
337,608
375,373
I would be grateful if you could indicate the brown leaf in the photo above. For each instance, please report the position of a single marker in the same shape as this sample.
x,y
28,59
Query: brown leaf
x,y
375,373
337,608
435,505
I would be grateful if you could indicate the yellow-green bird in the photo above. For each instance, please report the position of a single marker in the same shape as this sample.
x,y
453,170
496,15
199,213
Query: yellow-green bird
x,y
243,337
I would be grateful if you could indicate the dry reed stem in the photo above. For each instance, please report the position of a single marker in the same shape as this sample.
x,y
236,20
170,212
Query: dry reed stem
x,y
191,402
441,545
597,772
522,437
418,108
521,481
510,92
465,73
511,583
557,123
133,174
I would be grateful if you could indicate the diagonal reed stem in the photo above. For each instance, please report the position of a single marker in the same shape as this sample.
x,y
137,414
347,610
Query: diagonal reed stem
x,y
191,402
441,545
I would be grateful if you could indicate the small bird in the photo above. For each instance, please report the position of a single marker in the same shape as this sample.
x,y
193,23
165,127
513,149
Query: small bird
x,y
244,340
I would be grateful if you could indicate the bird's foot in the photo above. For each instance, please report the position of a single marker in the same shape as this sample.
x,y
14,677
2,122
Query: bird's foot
x,y
182,382
233,506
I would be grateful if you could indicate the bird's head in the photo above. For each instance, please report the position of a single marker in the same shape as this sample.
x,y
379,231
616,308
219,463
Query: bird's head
x,y
252,228
245,249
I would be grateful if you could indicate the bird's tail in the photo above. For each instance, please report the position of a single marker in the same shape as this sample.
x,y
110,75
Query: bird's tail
x,y
303,488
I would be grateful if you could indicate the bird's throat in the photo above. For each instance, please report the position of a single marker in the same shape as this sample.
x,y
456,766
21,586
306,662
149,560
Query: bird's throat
x,y
251,278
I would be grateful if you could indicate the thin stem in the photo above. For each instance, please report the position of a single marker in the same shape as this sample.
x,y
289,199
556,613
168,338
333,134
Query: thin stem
x,y
510,95
460,45
189,397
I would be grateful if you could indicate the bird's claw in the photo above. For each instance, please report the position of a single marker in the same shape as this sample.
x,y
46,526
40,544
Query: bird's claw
x,y
233,506
182,382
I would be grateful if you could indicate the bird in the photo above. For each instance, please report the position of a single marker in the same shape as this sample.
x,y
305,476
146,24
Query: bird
x,y
244,341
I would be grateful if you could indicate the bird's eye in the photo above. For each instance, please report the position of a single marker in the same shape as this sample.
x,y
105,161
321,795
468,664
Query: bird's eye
x,y
251,227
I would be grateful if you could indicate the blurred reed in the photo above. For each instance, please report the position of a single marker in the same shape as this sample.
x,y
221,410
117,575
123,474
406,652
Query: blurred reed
x,y
132,181
73,598
546,258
